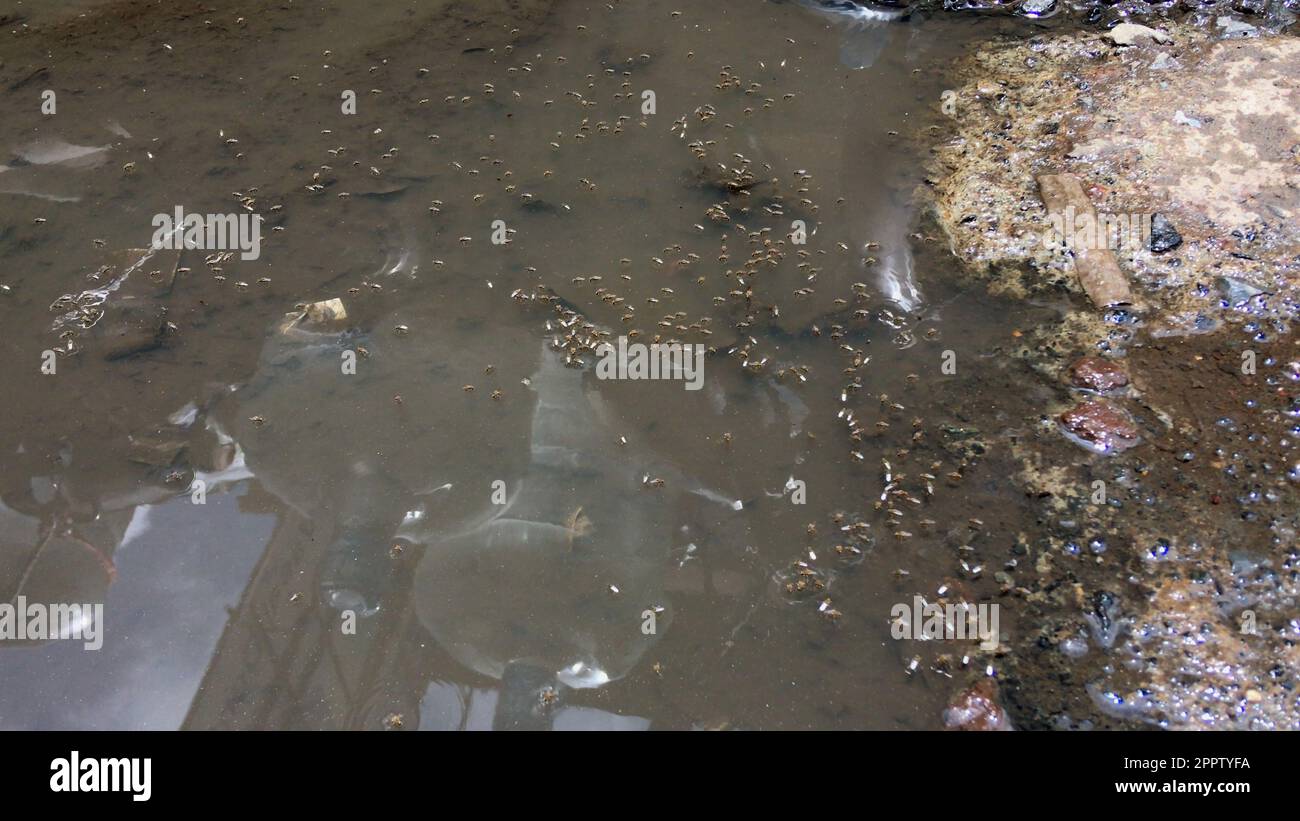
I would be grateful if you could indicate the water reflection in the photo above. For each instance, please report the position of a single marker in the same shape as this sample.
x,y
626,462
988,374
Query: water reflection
x,y
322,491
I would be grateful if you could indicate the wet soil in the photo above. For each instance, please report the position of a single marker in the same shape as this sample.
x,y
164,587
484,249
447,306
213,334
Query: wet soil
x,y
1151,566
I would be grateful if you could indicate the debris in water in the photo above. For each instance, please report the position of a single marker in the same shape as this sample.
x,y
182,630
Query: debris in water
x,y
1098,272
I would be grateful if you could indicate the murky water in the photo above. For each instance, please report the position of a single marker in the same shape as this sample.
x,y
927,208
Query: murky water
x,y
384,546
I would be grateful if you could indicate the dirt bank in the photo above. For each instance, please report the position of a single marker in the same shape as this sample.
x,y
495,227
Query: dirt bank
x,y
1161,575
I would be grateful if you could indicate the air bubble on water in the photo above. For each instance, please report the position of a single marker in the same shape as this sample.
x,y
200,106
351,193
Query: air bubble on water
x,y
582,675
1074,647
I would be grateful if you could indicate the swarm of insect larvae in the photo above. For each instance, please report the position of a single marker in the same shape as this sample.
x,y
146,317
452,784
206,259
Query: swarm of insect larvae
x,y
570,332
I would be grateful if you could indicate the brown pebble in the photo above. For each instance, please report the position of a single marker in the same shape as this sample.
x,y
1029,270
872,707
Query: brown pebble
x,y
1102,424
976,708
1098,374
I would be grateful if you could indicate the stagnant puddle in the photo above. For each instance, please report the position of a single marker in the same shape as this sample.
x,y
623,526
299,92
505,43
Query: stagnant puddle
x,y
367,473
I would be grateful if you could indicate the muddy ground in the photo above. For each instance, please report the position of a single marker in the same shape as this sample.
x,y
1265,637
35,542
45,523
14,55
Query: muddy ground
x,y
1164,573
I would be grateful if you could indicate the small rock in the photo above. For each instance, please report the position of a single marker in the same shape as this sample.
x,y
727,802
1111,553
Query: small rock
x,y
1126,34
1235,28
315,315
1183,119
1092,148
1235,290
976,708
1164,62
1037,8
1097,374
329,310
1243,562
1164,236
1101,425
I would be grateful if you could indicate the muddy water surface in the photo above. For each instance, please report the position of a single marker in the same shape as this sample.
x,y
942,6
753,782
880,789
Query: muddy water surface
x,y
647,166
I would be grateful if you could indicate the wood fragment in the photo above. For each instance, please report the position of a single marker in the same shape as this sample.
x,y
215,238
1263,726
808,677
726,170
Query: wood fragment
x,y
1098,272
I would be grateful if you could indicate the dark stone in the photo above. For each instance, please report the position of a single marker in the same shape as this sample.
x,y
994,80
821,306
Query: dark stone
x,y
1164,236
